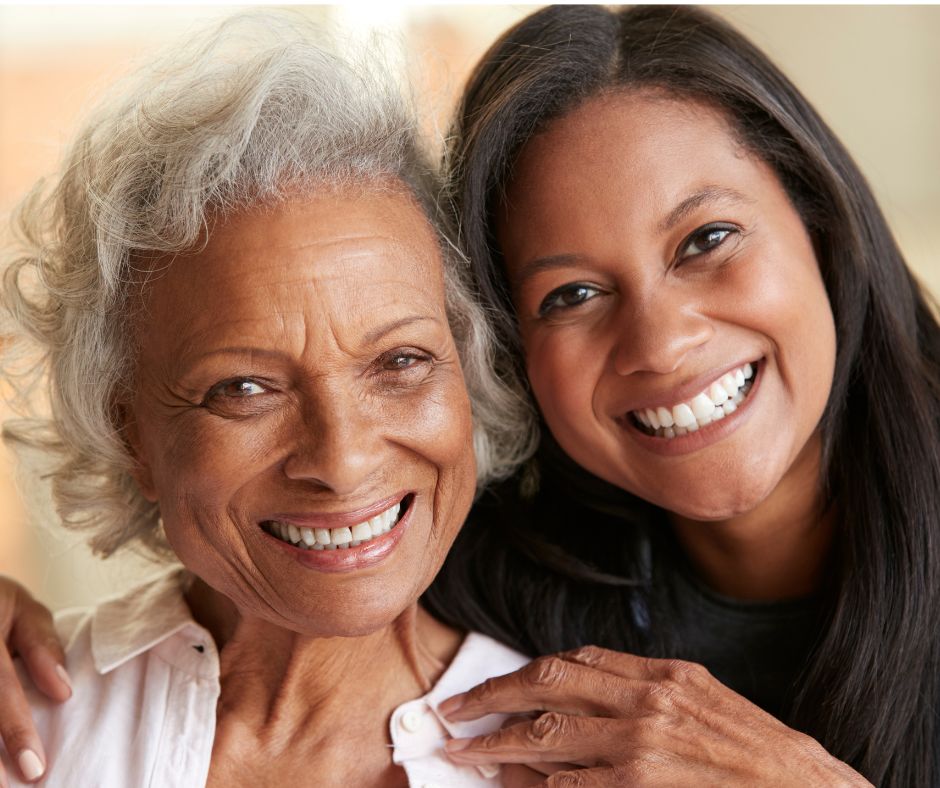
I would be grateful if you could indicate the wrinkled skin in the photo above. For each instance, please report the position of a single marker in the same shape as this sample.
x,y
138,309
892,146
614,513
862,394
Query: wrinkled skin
x,y
637,722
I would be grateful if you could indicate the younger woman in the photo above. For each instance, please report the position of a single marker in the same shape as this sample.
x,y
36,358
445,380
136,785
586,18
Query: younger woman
x,y
740,381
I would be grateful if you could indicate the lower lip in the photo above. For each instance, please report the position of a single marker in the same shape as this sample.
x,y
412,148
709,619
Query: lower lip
x,y
704,436
349,559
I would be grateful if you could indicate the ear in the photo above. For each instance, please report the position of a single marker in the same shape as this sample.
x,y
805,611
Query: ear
x,y
140,471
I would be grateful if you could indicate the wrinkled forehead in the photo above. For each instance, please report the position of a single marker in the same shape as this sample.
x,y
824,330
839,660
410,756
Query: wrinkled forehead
x,y
343,259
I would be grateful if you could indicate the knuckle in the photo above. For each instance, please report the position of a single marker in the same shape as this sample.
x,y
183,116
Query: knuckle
x,y
548,729
660,697
547,672
682,672
587,655
576,779
483,692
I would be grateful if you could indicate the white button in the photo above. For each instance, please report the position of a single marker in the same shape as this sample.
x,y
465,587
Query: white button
x,y
488,770
411,721
430,785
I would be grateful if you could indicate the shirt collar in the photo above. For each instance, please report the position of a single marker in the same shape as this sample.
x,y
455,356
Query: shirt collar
x,y
126,626
478,659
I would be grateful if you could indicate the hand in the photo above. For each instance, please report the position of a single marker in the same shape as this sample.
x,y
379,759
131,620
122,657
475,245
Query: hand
x,y
27,630
636,721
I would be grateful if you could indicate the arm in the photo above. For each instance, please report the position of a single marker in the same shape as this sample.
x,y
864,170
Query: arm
x,y
636,721
28,632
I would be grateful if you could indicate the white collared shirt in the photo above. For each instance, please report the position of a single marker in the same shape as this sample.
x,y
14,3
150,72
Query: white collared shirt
x,y
145,679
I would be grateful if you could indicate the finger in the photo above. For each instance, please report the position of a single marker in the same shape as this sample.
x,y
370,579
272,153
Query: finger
x,y
34,638
629,666
16,724
552,738
545,684
4,783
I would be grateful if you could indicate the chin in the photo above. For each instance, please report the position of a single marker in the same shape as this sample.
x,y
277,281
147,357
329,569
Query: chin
x,y
717,505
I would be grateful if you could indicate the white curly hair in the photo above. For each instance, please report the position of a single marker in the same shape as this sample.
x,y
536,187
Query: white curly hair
x,y
250,111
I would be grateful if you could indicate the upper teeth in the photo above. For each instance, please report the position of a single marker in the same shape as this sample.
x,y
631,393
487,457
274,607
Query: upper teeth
x,y
333,538
719,399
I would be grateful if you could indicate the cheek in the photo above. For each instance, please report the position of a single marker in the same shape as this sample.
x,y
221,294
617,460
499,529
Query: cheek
x,y
437,428
562,370
788,303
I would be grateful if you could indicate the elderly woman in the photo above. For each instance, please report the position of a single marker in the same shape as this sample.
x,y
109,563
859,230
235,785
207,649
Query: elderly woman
x,y
255,335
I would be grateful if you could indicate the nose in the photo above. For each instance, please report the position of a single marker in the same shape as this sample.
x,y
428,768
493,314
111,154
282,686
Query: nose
x,y
658,334
338,445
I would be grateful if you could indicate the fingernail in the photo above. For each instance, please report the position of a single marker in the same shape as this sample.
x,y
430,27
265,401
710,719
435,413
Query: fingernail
x,y
30,765
451,705
63,675
456,745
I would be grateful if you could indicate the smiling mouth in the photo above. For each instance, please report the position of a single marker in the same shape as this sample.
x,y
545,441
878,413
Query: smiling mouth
x,y
719,399
339,538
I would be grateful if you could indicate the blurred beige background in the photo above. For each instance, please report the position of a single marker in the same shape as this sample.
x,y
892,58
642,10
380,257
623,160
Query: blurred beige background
x,y
872,71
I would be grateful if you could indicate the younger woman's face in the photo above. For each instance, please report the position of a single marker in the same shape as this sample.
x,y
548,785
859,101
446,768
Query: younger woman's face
x,y
678,336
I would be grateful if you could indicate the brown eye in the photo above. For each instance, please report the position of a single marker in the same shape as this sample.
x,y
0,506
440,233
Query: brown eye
x,y
567,297
400,361
234,389
403,360
706,238
240,388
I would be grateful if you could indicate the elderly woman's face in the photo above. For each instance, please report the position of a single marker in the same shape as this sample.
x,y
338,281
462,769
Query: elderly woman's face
x,y
300,414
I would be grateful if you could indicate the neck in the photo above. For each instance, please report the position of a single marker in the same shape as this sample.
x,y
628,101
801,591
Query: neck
x,y
286,688
778,550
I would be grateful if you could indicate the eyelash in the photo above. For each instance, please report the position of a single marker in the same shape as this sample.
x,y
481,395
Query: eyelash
x,y
386,362
219,388
708,229
553,301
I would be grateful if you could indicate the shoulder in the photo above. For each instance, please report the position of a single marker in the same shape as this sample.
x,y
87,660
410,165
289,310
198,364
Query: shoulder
x,y
133,667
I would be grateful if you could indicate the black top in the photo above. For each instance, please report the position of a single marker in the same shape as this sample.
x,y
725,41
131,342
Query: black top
x,y
758,649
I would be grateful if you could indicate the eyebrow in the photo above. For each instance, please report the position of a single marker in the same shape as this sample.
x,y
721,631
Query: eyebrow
x,y
372,337
376,334
708,194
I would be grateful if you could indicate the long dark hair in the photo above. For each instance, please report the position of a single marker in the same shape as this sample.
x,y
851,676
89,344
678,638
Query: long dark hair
x,y
870,688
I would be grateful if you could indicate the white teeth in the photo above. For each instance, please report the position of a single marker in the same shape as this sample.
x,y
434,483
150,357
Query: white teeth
x,y
720,399
702,407
730,383
717,394
331,539
682,415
